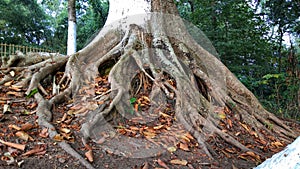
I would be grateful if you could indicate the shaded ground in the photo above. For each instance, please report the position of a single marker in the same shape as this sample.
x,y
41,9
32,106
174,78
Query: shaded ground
x,y
19,125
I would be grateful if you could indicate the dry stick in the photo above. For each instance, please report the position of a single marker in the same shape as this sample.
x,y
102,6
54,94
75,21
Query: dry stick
x,y
105,93
140,86
14,145
42,89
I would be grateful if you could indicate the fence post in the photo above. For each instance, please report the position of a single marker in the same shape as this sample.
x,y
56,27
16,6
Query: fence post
x,y
5,49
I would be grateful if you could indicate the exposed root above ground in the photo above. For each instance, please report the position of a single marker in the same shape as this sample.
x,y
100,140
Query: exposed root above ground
x,y
209,105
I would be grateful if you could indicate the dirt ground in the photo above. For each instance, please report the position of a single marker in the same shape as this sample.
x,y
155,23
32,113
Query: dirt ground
x,y
19,125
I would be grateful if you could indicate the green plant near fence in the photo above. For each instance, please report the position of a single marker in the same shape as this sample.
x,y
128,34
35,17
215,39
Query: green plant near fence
x,y
9,49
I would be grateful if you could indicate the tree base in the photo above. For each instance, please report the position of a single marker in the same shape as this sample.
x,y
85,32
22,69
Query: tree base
x,y
159,85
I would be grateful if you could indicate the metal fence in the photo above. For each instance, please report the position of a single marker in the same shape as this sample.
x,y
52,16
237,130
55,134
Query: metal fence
x,y
9,49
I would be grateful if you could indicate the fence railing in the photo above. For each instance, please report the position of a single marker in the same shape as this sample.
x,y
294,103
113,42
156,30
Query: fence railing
x,y
9,49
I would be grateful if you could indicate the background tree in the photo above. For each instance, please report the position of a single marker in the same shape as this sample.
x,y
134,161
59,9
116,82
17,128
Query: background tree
x,y
284,80
71,44
90,17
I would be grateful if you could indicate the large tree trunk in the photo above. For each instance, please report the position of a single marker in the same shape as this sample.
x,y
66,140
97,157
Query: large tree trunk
x,y
155,48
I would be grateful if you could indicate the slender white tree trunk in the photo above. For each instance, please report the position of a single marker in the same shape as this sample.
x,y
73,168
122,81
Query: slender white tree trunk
x,y
119,9
71,44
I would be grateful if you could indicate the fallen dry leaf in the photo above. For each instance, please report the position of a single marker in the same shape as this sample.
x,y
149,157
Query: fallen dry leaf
x,y
188,135
277,144
227,110
261,141
65,130
39,150
149,134
221,115
252,154
146,98
27,126
163,164
185,138
171,149
14,127
179,162
15,89
58,137
230,150
243,156
14,145
68,137
184,147
164,114
8,83
89,155
238,133
32,105
24,136
101,140
226,154
44,133
17,94
229,123
136,107
244,126
253,133
158,127
134,128
12,73
63,118
6,109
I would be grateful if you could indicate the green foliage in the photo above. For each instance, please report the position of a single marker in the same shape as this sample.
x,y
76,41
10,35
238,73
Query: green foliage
x,y
268,125
249,39
237,33
32,93
22,22
132,100
91,18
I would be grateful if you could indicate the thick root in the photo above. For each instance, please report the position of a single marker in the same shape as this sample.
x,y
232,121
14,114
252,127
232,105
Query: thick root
x,y
203,92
